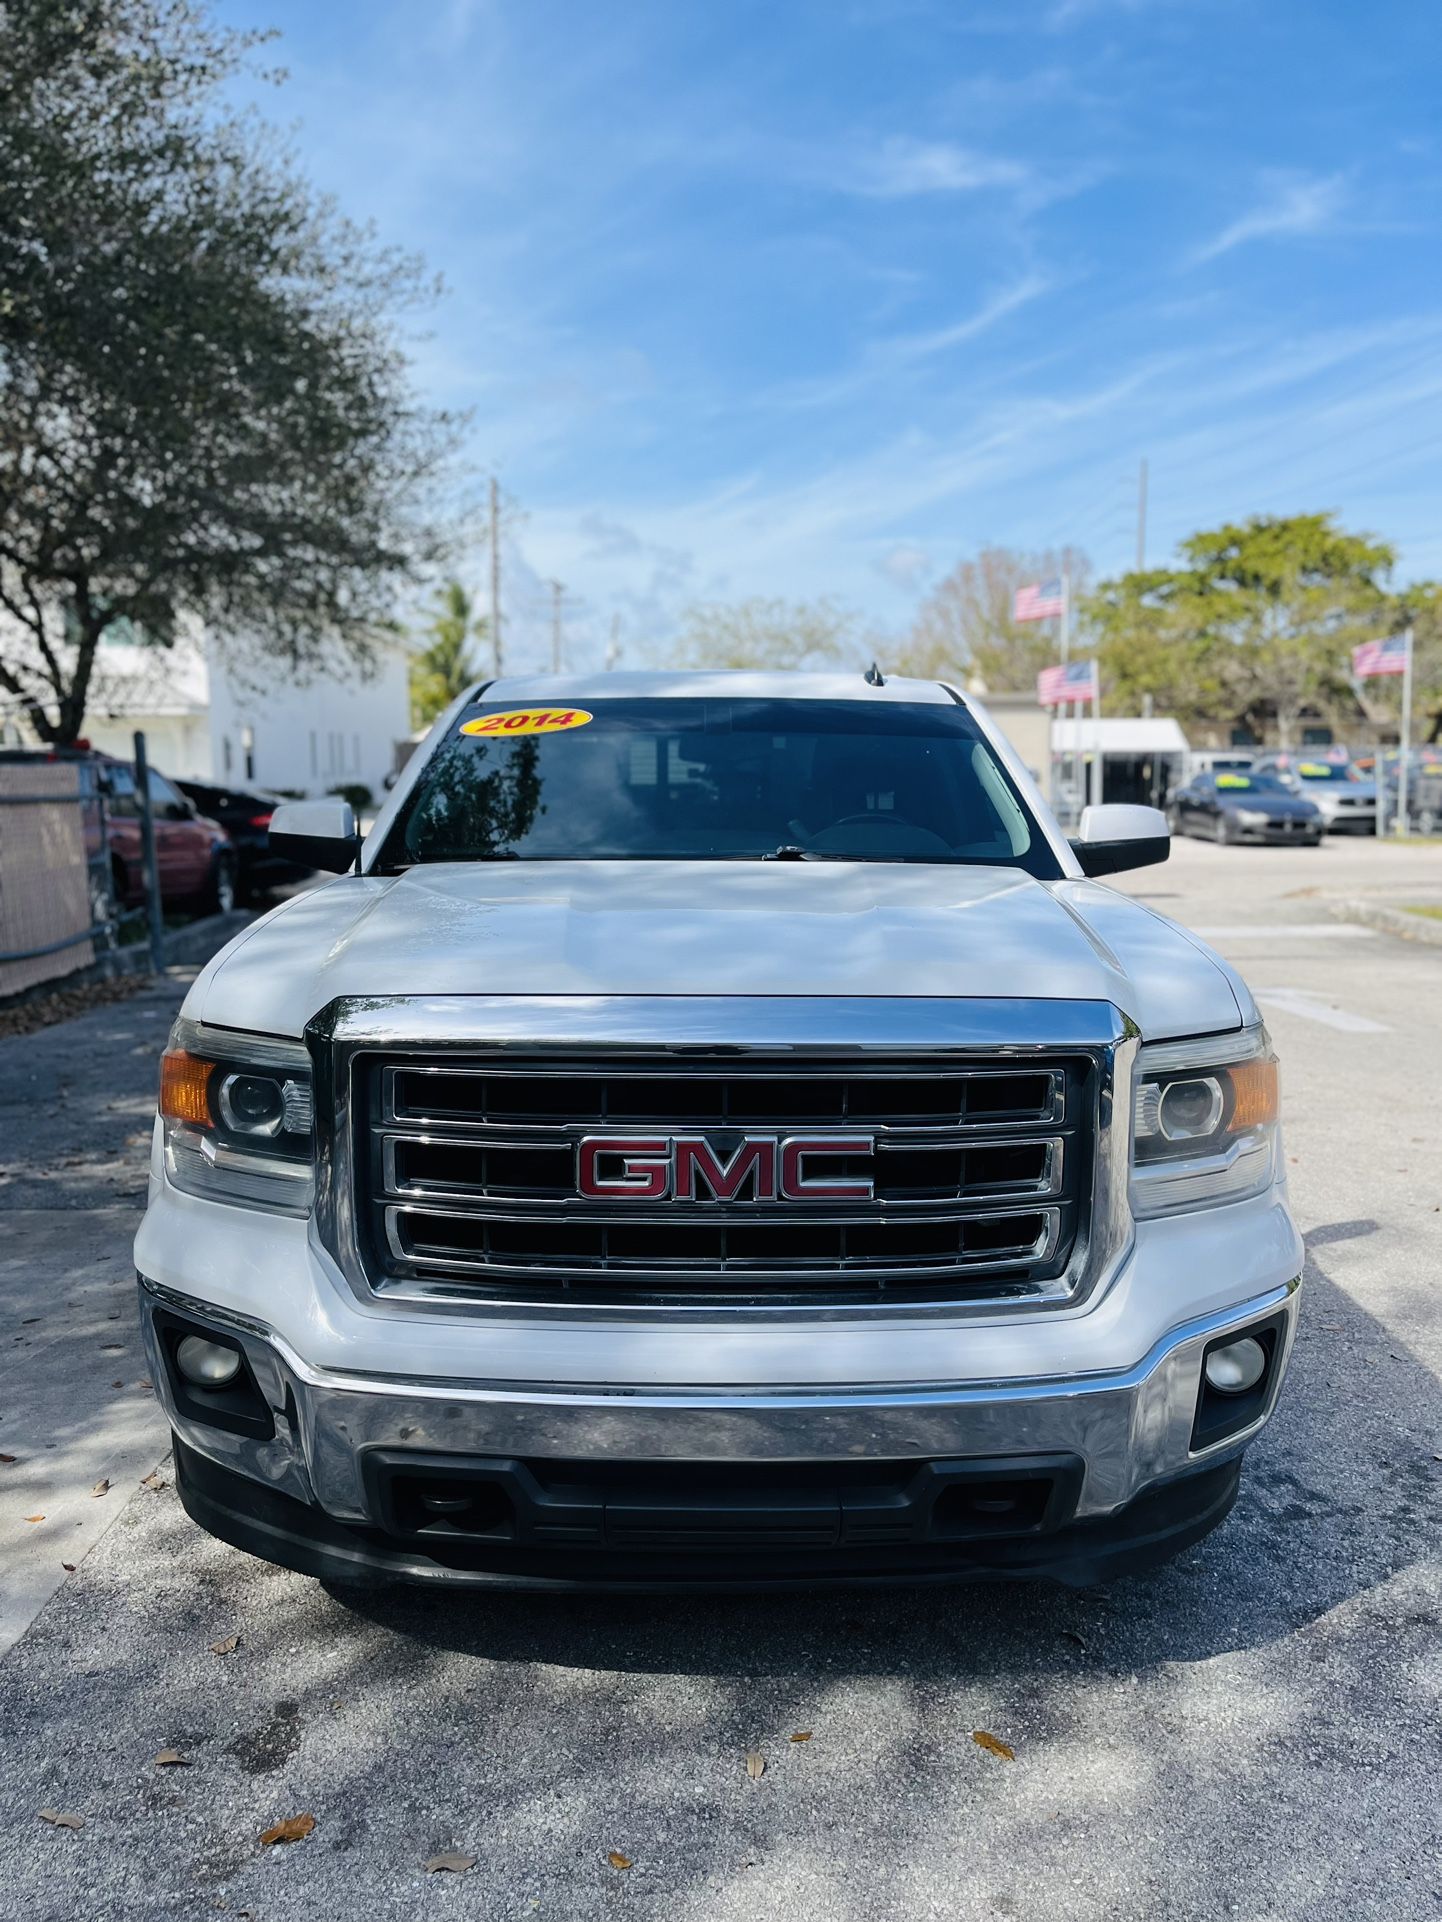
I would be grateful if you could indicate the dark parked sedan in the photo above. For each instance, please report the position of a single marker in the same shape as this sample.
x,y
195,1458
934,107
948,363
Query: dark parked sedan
x,y
245,814
1236,807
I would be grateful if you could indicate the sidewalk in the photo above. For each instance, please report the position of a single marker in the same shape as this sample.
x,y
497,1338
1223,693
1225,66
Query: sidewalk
x,y
76,1410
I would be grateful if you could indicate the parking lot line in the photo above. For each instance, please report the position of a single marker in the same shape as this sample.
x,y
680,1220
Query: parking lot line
x,y
1312,1007
1269,930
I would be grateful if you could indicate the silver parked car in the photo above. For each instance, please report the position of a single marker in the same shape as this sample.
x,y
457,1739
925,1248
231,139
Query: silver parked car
x,y
1347,801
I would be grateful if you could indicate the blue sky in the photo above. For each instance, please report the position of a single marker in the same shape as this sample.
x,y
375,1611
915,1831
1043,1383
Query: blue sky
x,y
817,296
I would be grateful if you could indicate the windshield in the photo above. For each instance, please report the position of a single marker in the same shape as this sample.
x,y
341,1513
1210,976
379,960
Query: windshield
x,y
698,780
1324,771
1250,784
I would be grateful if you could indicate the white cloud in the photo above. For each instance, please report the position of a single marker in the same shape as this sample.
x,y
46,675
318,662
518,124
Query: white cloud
x,y
1290,204
889,354
906,565
901,167
937,340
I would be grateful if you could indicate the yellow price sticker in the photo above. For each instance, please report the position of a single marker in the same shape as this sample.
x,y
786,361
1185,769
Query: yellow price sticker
x,y
1234,780
1314,771
528,720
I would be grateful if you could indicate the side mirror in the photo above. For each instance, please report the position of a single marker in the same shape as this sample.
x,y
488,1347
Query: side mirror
x,y
317,834
1119,836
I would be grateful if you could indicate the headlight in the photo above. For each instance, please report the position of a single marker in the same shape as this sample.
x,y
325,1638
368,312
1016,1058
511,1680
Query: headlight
x,y
1205,1122
238,1116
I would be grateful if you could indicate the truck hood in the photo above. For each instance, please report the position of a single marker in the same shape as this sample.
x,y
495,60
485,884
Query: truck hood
x,y
717,928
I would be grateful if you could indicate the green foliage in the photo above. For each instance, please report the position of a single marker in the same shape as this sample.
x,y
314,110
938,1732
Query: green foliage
x,y
763,634
204,407
447,665
1256,624
1419,605
964,628
357,793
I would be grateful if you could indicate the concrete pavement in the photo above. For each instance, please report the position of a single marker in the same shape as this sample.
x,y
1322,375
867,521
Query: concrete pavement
x,y
76,1409
1249,1733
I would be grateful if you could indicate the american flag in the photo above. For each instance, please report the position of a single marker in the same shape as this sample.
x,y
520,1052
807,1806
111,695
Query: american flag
x,y
1380,657
1075,681
1039,602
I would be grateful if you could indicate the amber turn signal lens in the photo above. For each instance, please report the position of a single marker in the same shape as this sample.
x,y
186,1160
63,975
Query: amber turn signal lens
x,y
184,1079
1255,1094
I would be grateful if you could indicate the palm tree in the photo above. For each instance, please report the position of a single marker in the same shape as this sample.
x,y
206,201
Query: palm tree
x,y
446,665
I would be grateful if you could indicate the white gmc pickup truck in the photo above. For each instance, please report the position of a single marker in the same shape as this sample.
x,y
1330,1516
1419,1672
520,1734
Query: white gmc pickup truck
x,y
716,1131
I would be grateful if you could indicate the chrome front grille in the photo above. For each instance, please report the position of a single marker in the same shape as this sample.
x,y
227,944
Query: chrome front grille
x,y
467,1176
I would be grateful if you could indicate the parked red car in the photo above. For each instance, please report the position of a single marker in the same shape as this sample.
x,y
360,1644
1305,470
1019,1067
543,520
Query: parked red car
x,y
194,855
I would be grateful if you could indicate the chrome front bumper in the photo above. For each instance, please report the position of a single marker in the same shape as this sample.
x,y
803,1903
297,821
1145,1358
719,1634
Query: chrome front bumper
x,y
1130,1429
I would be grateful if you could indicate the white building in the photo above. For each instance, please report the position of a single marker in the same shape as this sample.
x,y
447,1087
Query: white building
x,y
206,719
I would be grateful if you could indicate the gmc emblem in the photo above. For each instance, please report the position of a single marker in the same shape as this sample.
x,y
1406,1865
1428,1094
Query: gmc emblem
x,y
689,1168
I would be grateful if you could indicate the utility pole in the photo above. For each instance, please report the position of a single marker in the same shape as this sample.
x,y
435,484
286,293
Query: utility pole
x,y
497,652
1404,826
613,646
1142,517
556,592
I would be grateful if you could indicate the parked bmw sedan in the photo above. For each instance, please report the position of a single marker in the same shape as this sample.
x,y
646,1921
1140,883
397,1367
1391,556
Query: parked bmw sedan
x,y
1233,807
1347,802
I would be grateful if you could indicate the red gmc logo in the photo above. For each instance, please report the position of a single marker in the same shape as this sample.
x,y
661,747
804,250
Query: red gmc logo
x,y
690,1168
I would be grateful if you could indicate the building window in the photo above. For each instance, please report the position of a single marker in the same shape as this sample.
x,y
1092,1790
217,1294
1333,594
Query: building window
x,y
314,758
225,754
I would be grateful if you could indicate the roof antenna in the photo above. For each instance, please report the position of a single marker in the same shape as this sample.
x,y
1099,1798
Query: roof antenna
x,y
874,677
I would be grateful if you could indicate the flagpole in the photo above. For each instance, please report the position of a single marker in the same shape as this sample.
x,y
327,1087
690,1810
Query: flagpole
x,y
1072,758
1096,735
1402,822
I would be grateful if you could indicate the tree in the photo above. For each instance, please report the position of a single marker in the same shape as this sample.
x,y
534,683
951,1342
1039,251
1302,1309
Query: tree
x,y
204,407
444,670
1151,640
761,633
1419,607
965,628
1258,621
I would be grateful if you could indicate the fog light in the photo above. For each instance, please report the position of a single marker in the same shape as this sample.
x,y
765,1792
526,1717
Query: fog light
x,y
207,1364
1237,1367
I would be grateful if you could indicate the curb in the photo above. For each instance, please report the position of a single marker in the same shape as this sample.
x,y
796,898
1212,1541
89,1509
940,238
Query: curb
x,y
1372,914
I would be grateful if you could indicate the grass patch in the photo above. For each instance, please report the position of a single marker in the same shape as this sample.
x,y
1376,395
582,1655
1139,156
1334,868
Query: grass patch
x,y
1432,914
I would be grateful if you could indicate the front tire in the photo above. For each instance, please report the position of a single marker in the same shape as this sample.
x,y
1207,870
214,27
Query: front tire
x,y
219,894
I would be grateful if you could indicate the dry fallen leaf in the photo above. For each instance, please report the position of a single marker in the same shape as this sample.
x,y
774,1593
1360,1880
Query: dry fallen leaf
x,y
755,1764
62,1819
451,1863
618,1861
293,1829
171,1758
34,1518
801,1735
102,1487
993,1745
7,1459
153,1480
69,1567
227,1645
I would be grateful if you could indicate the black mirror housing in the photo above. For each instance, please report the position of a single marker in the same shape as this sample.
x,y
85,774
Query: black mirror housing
x,y
1099,858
